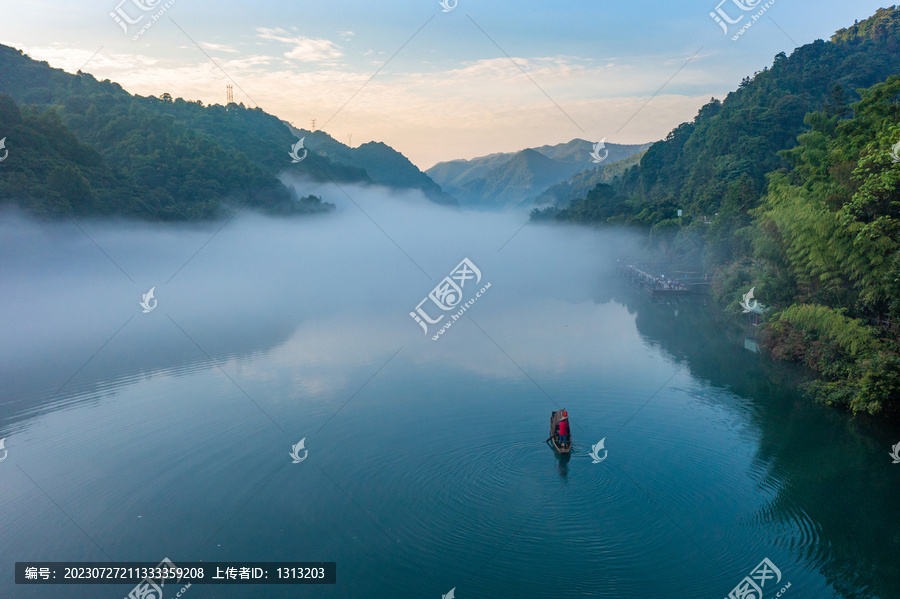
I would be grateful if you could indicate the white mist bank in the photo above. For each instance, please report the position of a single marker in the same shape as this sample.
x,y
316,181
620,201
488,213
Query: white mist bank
x,y
348,280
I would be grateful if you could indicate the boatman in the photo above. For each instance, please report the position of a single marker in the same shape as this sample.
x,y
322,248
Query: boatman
x,y
564,429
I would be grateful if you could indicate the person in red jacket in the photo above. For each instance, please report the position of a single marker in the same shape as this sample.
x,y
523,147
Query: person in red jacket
x,y
564,429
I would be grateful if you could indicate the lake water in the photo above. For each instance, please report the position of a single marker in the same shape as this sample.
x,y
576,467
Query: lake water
x,y
135,436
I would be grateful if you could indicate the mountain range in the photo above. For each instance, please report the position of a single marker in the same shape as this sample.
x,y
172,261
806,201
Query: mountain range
x,y
383,164
79,146
519,178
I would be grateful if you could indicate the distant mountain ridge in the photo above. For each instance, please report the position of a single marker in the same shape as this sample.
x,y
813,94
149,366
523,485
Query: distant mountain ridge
x,y
518,178
578,186
524,175
384,165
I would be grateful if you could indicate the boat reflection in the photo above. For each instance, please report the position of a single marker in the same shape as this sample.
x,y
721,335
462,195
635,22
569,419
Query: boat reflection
x,y
562,463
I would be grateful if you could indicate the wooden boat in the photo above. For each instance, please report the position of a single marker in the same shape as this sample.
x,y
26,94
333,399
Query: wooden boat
x,y
555,417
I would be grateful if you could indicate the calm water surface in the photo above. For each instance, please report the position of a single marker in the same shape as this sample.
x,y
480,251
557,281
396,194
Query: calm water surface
x,y
135,436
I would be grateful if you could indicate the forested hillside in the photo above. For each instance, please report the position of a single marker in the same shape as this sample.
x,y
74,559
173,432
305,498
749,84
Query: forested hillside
x,y
82,146
383,164
725,153
826,251
813,226
562,194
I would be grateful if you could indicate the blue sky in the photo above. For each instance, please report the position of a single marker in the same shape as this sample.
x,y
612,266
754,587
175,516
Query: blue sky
x,y
450,92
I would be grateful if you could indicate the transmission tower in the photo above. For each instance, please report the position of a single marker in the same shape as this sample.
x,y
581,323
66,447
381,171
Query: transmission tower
x,y
229,95
350,139
313,124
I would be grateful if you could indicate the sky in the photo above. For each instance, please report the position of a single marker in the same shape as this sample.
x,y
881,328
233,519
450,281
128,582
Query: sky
x,y
477,78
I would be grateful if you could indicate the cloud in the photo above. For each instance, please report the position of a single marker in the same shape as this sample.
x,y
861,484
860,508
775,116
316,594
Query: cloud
x,y
217,47
345,35
306,49
72,59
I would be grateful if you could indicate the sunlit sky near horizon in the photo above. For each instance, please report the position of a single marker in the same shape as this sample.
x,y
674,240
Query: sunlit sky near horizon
x,y
451,87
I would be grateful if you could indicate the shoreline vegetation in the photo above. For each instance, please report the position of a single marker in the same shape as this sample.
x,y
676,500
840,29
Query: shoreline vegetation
x,y
790,185
78,160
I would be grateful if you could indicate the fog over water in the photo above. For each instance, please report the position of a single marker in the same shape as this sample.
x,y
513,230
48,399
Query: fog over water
x,y
137,436
246,286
